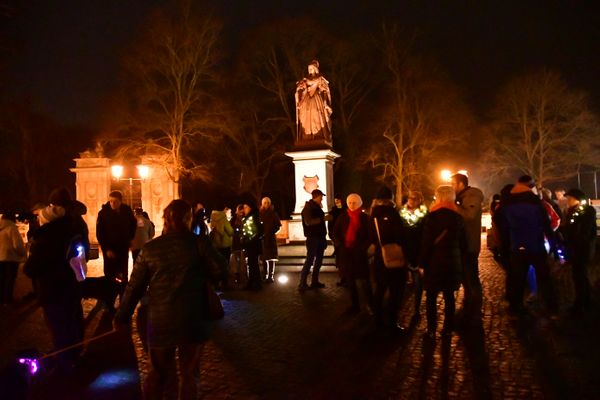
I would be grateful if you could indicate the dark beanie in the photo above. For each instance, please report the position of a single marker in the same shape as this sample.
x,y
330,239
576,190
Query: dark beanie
x,y
60,197
576,194
384,193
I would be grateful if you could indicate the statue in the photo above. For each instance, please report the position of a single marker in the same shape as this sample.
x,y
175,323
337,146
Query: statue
x,y
313,108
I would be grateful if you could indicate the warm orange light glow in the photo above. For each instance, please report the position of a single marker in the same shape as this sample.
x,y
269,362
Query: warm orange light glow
x,y
144,171
117,171
446,174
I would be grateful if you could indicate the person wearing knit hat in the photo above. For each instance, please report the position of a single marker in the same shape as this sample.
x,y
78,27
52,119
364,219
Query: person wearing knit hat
x,y
56,285
580,233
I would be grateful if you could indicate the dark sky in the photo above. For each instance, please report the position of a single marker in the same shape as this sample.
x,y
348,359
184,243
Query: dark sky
x,y
66,56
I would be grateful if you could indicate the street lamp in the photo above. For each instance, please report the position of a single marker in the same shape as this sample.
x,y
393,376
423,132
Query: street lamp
x,y
446,175
143,172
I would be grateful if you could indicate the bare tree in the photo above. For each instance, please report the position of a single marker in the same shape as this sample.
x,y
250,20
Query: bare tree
x,y
422,116
542,128
170,74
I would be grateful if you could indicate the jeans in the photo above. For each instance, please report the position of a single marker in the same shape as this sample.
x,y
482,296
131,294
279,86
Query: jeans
x,y
395,281
315,248
519,266
471,283
163,371
449,306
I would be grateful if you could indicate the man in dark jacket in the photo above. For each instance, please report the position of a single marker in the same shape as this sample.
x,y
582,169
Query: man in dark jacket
x,y
313,223
579,231
339,207
525,224
115,229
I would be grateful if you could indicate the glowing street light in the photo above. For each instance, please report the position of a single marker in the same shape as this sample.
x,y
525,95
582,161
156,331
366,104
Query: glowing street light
x,y
143,171
446,175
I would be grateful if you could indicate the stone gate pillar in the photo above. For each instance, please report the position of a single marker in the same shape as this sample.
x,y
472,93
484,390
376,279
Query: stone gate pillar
x,y
92,187
158,190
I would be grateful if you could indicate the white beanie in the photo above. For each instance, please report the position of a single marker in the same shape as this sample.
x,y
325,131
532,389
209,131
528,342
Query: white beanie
x,y
51,213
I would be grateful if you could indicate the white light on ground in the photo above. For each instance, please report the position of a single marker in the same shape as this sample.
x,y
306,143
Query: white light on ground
x,y
282,279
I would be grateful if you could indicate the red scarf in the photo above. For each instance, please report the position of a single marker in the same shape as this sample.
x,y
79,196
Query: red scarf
x,y
352,227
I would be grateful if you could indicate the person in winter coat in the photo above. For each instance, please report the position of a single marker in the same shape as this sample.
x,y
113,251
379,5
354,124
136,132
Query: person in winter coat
x,y
115,229
144,232
271,224
251,243
413,214
391,230
313,224
12,252
353,235
444,242
221,237
173,271
469,200
579,232
55,283
339,207
525,225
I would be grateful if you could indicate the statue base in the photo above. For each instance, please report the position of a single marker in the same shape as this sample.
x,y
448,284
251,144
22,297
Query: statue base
x,y
313,169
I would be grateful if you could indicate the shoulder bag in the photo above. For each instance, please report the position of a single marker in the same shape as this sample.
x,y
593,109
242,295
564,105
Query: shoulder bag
x,y
392,254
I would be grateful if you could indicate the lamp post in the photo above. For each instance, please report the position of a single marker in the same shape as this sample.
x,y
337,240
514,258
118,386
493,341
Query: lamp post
x,y
143,172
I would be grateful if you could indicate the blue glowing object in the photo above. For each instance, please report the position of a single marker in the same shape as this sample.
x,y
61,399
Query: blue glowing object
x,y
115,378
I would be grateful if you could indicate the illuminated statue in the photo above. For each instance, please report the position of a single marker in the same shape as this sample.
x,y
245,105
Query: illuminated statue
x,y
313,108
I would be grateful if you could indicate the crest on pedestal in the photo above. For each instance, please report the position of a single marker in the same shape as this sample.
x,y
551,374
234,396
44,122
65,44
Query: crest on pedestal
x,y
310,183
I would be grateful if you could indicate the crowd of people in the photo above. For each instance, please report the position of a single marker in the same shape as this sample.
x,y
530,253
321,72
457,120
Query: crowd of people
x,y
379,250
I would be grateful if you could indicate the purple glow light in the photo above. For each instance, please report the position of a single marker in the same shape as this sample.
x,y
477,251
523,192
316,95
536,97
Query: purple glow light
x,y
32,363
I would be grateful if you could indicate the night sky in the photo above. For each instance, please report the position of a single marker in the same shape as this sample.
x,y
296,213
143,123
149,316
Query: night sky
x,y
65,53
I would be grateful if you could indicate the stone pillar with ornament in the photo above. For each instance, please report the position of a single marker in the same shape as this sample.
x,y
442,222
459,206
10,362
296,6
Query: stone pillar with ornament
x,y
158,189
92,185
313,169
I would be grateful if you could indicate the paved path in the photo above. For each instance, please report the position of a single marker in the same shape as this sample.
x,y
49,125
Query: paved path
x,y
279,344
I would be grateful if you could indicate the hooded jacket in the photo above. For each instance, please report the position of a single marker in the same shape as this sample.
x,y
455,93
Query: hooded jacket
x,y
221,234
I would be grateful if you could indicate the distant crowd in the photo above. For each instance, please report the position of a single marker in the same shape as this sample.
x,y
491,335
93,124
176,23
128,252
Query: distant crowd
x,y
379,251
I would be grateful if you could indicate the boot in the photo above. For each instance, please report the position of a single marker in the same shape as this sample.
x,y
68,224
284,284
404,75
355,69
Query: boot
x,y
271,271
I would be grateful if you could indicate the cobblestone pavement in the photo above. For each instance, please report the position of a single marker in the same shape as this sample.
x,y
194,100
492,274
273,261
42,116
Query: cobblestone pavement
x,y
279,344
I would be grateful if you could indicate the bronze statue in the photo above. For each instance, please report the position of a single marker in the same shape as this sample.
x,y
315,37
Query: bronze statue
x,y
313,108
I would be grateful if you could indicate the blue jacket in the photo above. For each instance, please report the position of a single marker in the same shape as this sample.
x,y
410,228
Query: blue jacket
x,y
524,222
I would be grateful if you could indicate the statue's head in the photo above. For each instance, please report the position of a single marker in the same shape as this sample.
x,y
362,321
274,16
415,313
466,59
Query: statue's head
x,y
313,68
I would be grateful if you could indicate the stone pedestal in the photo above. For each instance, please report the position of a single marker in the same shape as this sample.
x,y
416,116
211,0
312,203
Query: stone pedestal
x,y
313,170
158,190
92,187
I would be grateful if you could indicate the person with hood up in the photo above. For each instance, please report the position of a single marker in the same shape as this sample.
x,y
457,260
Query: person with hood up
x,y
12,252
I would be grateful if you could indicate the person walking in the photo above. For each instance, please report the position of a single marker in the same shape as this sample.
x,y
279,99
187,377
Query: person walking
x,y
391,230
353,235
579,232
413,214
271,224
469,200
313,224
115,229
144,232
444,242
12,253
173,271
